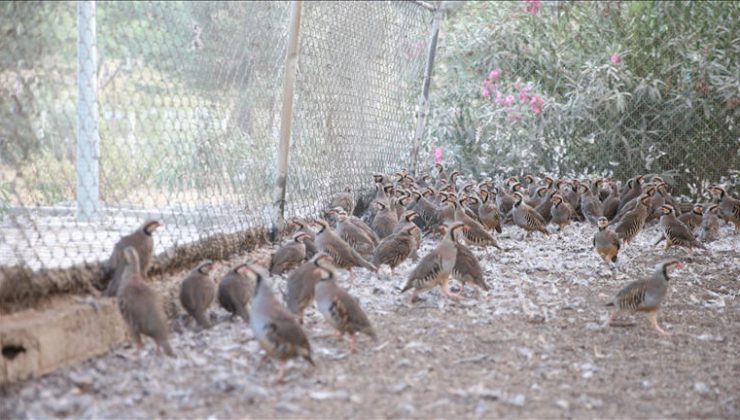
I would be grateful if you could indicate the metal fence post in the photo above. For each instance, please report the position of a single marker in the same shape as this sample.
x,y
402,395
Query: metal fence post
x,y
423,107
286,118
88,139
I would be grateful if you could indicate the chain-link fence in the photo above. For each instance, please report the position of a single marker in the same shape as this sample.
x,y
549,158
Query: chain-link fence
x,y
115,112
604,88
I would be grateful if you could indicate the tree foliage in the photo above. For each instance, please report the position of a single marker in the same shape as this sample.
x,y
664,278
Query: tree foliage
x,y
600,87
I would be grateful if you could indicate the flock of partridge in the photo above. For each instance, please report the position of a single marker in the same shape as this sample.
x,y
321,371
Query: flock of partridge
x,y
392,220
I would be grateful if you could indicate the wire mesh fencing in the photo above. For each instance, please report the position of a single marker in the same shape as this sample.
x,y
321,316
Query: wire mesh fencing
x,y
117,112
355,107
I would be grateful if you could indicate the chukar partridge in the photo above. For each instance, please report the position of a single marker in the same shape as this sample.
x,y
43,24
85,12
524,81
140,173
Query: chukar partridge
x,y
645,295
143,243
276,329
141,306
339,308
435,268
197,291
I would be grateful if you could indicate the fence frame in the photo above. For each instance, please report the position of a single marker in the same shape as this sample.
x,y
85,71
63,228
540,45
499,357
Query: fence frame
x,y
286,117
88,138
422,109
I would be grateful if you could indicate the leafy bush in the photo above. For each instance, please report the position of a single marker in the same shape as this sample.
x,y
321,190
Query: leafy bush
x,y
601,87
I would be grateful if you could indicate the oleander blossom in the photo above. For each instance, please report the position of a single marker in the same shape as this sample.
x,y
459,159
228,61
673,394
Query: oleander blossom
x,y
509,101
524,94
486,91
499,99
615,59
536,104
533,6
494,75
437,155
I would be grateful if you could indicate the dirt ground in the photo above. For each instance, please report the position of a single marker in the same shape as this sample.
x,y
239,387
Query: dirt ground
x,y
533,346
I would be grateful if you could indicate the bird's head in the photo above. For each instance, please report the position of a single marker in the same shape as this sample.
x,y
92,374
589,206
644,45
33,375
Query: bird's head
x,y
205,267
667,267
322,224
150,226
645,199
300,237
518,197
603,222
666,209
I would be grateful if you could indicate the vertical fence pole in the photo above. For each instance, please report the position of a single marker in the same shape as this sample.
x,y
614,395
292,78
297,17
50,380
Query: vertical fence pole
x,y
286,118
88,139
423,107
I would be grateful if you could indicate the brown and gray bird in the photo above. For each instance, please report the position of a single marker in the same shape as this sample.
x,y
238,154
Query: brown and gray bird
x,y
339,308
394,249
692,219
142,242
197,291
633,221
591,207
300,285
289,255
526,217
435,268
235,291
427,211
488,212
631,190
709,227
650,191
410,218
309,240
611,202
729,207
675,232
561,212
467,268
344,200
353,233
473,232
341,252
140,306
645,295
385,220
606,242
276,329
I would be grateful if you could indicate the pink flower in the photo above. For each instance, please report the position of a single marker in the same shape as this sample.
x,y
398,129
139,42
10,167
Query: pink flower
x,y
533,6
536,104
438,155
615,59
486,89
494,75
499,99
524,94
509,101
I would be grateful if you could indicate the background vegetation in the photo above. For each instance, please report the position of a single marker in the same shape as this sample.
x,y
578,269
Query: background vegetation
x,y
608,87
